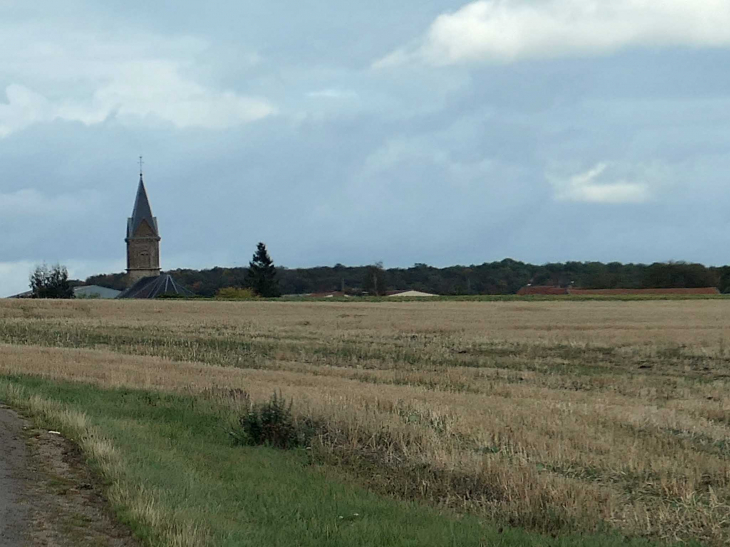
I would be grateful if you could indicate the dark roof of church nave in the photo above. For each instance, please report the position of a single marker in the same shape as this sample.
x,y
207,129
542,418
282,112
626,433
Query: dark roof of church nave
x,y
142,211
154,287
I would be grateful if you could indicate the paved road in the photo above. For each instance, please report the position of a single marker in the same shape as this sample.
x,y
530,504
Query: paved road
x,y
13,467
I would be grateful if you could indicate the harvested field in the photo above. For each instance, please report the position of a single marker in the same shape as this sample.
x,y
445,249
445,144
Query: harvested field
x,y
557,417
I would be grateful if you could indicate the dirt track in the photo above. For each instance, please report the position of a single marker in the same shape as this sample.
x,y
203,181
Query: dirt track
x,y
13,477
47,495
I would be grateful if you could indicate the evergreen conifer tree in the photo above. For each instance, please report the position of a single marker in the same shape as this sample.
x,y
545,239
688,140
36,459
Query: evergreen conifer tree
x,y
261,276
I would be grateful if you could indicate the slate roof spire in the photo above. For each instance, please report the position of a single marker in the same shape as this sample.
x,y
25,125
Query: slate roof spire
x,y
142,212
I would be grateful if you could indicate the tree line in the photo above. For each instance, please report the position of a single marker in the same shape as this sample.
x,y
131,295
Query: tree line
x,y
503,277
260,280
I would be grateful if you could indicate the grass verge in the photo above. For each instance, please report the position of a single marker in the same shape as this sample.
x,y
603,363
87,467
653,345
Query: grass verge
x,y
172,473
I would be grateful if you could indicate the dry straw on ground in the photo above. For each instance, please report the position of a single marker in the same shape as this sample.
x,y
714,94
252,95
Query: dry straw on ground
x,y
551,415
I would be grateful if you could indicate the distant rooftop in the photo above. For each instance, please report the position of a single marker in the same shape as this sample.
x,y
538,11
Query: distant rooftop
x,y
95,291
155,287
409,294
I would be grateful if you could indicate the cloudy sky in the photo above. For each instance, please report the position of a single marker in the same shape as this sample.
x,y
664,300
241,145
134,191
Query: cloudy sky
x,y
430,131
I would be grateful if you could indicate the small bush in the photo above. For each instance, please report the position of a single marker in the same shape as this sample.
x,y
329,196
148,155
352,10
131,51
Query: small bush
x,y
272,424
235,293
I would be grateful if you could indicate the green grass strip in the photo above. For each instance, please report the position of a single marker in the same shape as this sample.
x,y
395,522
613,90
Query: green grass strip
x,y
176,451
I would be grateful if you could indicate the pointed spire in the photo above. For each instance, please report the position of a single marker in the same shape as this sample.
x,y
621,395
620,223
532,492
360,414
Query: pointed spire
x,y
142,211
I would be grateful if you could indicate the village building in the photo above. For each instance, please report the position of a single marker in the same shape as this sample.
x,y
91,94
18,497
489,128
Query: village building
x,y
409,294
95,291
143,239
154,287
143,253
82,291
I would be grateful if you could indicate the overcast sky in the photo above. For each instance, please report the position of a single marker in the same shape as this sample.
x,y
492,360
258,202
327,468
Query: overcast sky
x,y
430,131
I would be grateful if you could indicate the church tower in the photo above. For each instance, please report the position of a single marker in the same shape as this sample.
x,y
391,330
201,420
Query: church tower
x,y
143,239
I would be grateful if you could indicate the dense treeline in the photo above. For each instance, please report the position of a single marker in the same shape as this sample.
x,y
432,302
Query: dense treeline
x,y
504,277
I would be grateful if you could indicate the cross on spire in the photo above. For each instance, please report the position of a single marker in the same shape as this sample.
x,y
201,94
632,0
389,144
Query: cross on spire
x,y
140,166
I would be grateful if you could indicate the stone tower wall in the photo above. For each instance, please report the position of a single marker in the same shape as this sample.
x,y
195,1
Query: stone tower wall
x,y
143,239
143,254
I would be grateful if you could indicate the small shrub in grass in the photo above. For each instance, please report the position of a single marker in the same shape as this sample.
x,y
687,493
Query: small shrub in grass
x,y
236,293
272,424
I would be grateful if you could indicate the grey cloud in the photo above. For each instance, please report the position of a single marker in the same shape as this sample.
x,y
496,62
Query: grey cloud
x,y
420,164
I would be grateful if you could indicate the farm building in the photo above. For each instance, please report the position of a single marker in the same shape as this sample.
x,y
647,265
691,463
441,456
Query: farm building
x,y
95,291
82,291
409,294
340,294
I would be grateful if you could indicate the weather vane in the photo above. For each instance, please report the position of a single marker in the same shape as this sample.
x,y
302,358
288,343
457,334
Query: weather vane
x,y
140,166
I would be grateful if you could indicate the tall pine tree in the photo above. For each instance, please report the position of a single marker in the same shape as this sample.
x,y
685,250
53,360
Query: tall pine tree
x,y
261,276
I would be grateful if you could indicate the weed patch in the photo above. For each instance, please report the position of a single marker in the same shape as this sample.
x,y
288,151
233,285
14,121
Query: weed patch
x,y
272,424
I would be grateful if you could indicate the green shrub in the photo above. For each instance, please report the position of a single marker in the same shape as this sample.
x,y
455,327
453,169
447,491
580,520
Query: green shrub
x,y
235,293
272,424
